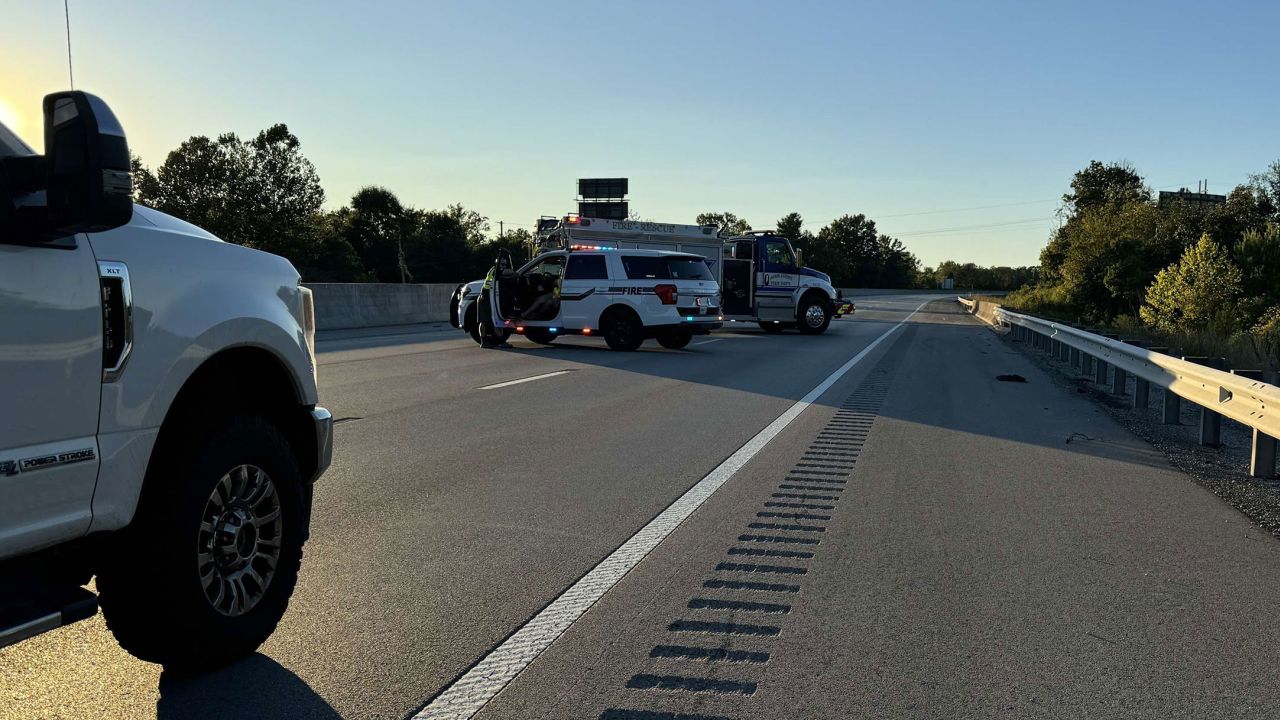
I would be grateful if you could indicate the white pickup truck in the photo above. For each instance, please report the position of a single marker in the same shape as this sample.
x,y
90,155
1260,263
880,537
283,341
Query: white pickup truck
x,y
159,432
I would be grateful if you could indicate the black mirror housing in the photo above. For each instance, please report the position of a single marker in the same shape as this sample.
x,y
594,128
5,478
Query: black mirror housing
x,y
87,160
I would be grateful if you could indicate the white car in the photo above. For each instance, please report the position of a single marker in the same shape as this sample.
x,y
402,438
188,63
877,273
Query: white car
x,y
625,296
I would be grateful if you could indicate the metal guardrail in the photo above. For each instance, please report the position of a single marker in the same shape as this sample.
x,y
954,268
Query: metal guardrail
x,y
966,302
1250,402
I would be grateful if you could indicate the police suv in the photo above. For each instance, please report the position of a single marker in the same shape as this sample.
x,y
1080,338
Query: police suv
x,y
624,296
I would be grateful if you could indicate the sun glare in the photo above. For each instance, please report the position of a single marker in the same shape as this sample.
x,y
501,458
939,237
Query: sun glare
x,y
10,118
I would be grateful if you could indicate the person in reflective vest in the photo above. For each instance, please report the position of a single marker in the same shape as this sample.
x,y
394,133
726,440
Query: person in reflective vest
x,y
489,337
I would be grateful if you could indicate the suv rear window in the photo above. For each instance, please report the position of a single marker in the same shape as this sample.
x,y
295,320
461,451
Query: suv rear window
x,y
690,268
586,267
645,267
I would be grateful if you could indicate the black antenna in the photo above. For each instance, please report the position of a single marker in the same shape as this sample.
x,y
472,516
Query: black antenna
x,y
66,11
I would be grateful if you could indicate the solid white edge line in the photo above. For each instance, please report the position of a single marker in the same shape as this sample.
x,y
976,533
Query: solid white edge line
x,y
707,342
471,692
509,383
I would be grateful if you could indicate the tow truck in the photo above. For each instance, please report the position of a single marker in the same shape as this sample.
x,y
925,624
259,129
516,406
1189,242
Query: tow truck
x,y
762,277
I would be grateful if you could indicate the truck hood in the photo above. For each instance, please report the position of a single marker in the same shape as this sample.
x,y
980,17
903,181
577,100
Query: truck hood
x,y
143,215
149,225
814,273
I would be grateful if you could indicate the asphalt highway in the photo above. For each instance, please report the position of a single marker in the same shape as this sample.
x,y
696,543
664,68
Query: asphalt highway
x,y
920,540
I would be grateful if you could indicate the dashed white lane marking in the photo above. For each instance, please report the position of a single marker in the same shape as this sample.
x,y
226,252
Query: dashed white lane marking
x,y
509,383
707,342
467,695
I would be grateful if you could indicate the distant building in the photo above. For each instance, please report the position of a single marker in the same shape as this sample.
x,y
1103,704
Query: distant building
x,y
1187,196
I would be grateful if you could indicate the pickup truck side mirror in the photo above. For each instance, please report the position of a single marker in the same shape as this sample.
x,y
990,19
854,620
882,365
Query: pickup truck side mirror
x,y
87,165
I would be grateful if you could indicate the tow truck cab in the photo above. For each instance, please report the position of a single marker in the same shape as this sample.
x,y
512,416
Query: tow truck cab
x,y
764,280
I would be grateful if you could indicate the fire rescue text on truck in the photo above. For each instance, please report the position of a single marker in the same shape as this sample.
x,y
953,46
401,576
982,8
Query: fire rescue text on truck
x,y
761,276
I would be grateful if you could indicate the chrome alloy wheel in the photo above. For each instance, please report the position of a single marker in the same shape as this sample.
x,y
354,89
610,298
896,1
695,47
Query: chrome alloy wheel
x,y
239,540
814,315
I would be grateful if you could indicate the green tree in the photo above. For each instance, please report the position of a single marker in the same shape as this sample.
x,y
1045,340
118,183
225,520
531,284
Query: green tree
x,y
1199,291
144,182
1258,256
330,257
198,182
1247,208
378,227
1073,255
823,255
853,246
897,266
281,193
727,223
518,241
1110,253
790,226
474,225
262,193
1266,336
1101,184
438,250
1266,186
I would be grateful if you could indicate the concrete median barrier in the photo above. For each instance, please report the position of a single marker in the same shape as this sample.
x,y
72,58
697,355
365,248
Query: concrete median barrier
x,y
341,306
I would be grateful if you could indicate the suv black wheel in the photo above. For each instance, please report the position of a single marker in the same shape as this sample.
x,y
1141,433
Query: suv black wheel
x,y
674,339
542,336
814,315
471,324
622,330
472,327
205,571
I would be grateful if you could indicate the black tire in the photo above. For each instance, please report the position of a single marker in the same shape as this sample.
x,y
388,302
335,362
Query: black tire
x,y
542,336
814,315
150,586
773,327
674,339
472,325
622,330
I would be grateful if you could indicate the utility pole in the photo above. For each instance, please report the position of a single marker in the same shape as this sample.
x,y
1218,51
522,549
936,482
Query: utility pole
x,y
499,229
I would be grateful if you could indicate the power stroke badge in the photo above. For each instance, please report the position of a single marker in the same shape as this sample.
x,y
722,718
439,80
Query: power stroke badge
x,y
41,462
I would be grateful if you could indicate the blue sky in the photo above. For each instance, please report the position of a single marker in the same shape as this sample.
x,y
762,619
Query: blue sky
x,y
904,111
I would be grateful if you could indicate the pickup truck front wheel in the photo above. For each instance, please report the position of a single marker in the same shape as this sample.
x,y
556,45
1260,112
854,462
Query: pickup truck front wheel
x,y
204,573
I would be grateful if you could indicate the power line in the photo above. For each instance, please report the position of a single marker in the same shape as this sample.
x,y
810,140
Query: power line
x,y
985,226
1001,205
970,228
967,209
